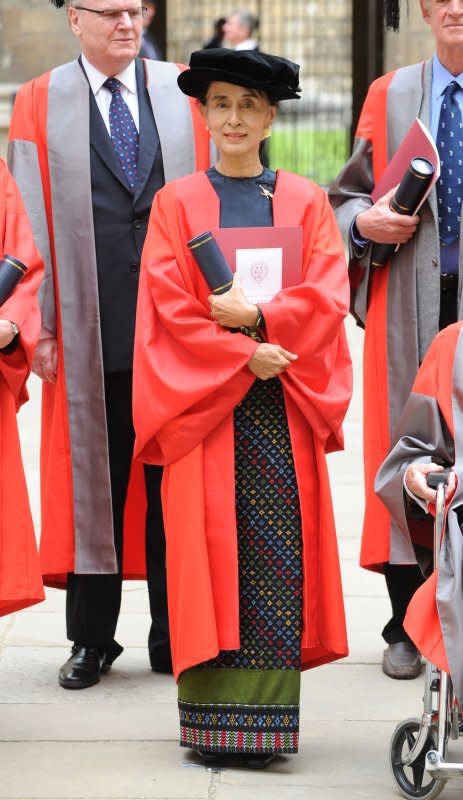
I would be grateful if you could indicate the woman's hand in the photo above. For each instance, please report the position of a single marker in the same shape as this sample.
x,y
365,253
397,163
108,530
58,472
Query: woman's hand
x,y
232,309
415,481
6,333
45,361
270,360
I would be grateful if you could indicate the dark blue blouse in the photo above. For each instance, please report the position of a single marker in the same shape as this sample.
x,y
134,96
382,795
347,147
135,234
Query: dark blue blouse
x,y
243,202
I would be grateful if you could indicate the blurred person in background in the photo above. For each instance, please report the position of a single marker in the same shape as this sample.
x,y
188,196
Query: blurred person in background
x,y
217,39
149,45
239,29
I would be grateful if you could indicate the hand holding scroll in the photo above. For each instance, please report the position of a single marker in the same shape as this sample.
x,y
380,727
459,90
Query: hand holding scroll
x,y
232,309
382,225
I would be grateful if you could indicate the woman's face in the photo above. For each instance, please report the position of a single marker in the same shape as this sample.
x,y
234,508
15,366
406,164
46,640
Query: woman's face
x,y
237,118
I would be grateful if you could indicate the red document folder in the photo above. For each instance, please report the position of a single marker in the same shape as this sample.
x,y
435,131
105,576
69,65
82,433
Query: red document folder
x,y
418,143
288,239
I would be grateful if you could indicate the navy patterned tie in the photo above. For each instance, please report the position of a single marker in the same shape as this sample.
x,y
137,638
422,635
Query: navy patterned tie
x,y
449,186
124,133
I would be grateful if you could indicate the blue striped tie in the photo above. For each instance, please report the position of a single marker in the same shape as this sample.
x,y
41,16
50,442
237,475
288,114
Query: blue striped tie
x,y
124,134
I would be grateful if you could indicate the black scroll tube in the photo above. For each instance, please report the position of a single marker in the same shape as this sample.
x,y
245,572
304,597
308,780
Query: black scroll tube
x,y
11,272
407,199
212,262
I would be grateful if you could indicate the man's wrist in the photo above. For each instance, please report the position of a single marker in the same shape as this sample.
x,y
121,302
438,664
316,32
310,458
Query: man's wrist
x,y
356,236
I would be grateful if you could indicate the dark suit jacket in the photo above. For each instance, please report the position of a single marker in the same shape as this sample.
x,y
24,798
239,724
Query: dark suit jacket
x,y
120,221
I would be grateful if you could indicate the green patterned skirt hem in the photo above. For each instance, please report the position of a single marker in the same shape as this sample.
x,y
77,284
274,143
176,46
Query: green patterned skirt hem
x,y
239,711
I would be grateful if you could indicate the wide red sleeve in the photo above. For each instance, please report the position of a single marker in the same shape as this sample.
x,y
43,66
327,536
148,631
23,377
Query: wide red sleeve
x,y
307,320
189,372
22,306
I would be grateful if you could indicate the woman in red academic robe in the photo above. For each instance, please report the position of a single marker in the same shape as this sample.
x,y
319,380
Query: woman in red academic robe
x,y
20,576
242,423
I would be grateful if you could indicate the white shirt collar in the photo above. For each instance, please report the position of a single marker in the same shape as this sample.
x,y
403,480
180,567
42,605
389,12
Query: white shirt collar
x,y
248,44
96,78
441,78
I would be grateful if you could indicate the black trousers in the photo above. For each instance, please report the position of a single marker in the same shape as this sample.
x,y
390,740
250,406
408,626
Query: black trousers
x,y
403,581
93,601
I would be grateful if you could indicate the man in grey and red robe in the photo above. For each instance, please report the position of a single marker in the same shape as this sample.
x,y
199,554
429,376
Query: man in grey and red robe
x,y
90,144
404,304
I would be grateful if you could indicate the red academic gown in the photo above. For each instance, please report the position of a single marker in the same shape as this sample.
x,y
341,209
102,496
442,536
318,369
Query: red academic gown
x,y
20,578
190,373
397,304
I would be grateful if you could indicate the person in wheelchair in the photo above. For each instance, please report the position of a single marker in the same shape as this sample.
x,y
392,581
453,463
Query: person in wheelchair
x,y
429,437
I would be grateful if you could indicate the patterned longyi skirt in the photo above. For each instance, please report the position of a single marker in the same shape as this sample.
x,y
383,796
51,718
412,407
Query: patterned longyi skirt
x,y
247,700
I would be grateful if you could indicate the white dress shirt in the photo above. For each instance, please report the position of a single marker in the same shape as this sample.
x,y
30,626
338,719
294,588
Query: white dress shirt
x,y
128,80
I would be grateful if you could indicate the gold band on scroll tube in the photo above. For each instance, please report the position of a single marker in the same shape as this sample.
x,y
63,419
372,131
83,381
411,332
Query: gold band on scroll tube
x,y
12,264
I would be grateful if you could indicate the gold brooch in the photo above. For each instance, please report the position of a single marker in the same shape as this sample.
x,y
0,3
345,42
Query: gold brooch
x,y
265,192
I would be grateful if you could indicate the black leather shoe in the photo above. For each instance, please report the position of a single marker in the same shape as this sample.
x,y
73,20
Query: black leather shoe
x,y
84,667
401,660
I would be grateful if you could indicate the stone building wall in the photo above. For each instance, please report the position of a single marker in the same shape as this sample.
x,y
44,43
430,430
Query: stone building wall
x,y
314,33
34,37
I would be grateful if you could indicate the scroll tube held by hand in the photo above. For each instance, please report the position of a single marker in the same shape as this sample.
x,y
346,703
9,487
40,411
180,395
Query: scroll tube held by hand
x,y
410,195
212,263
11,272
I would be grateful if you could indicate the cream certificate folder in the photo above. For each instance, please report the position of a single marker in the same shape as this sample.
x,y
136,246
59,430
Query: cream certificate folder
x,y
261,272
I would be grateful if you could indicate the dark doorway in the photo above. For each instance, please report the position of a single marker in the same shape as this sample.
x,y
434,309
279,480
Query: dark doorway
x,y
367,51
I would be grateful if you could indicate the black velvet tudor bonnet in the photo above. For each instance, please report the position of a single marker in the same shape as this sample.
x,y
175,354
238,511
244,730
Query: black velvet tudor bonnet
x,y
277,77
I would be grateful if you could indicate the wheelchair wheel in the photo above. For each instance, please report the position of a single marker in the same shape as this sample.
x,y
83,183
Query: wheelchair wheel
x,y
413,782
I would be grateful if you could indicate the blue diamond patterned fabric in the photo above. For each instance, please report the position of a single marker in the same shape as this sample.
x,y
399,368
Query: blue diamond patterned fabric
x,y
450,186
124,134
270,588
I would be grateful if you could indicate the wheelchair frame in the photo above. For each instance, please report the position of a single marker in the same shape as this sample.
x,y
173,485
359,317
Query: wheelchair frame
x,y
418,748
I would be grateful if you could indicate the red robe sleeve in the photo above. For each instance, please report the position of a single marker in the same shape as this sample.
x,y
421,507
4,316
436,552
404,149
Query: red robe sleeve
x,y
307,319
189,372
22,306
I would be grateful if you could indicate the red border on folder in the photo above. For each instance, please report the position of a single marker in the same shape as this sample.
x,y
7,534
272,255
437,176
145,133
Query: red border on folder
x,y
289,239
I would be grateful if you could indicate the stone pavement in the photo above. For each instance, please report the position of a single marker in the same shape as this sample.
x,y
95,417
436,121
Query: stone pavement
x,y
118,740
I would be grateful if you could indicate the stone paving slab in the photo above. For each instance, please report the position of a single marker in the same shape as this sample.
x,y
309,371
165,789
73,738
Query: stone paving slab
x,y
357,751
138,707
118,740
30,675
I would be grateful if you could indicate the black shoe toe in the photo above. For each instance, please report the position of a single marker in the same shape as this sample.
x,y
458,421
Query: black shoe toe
x,y
83,668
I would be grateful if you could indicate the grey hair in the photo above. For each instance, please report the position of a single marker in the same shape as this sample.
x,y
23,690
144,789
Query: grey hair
x,y
247,20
